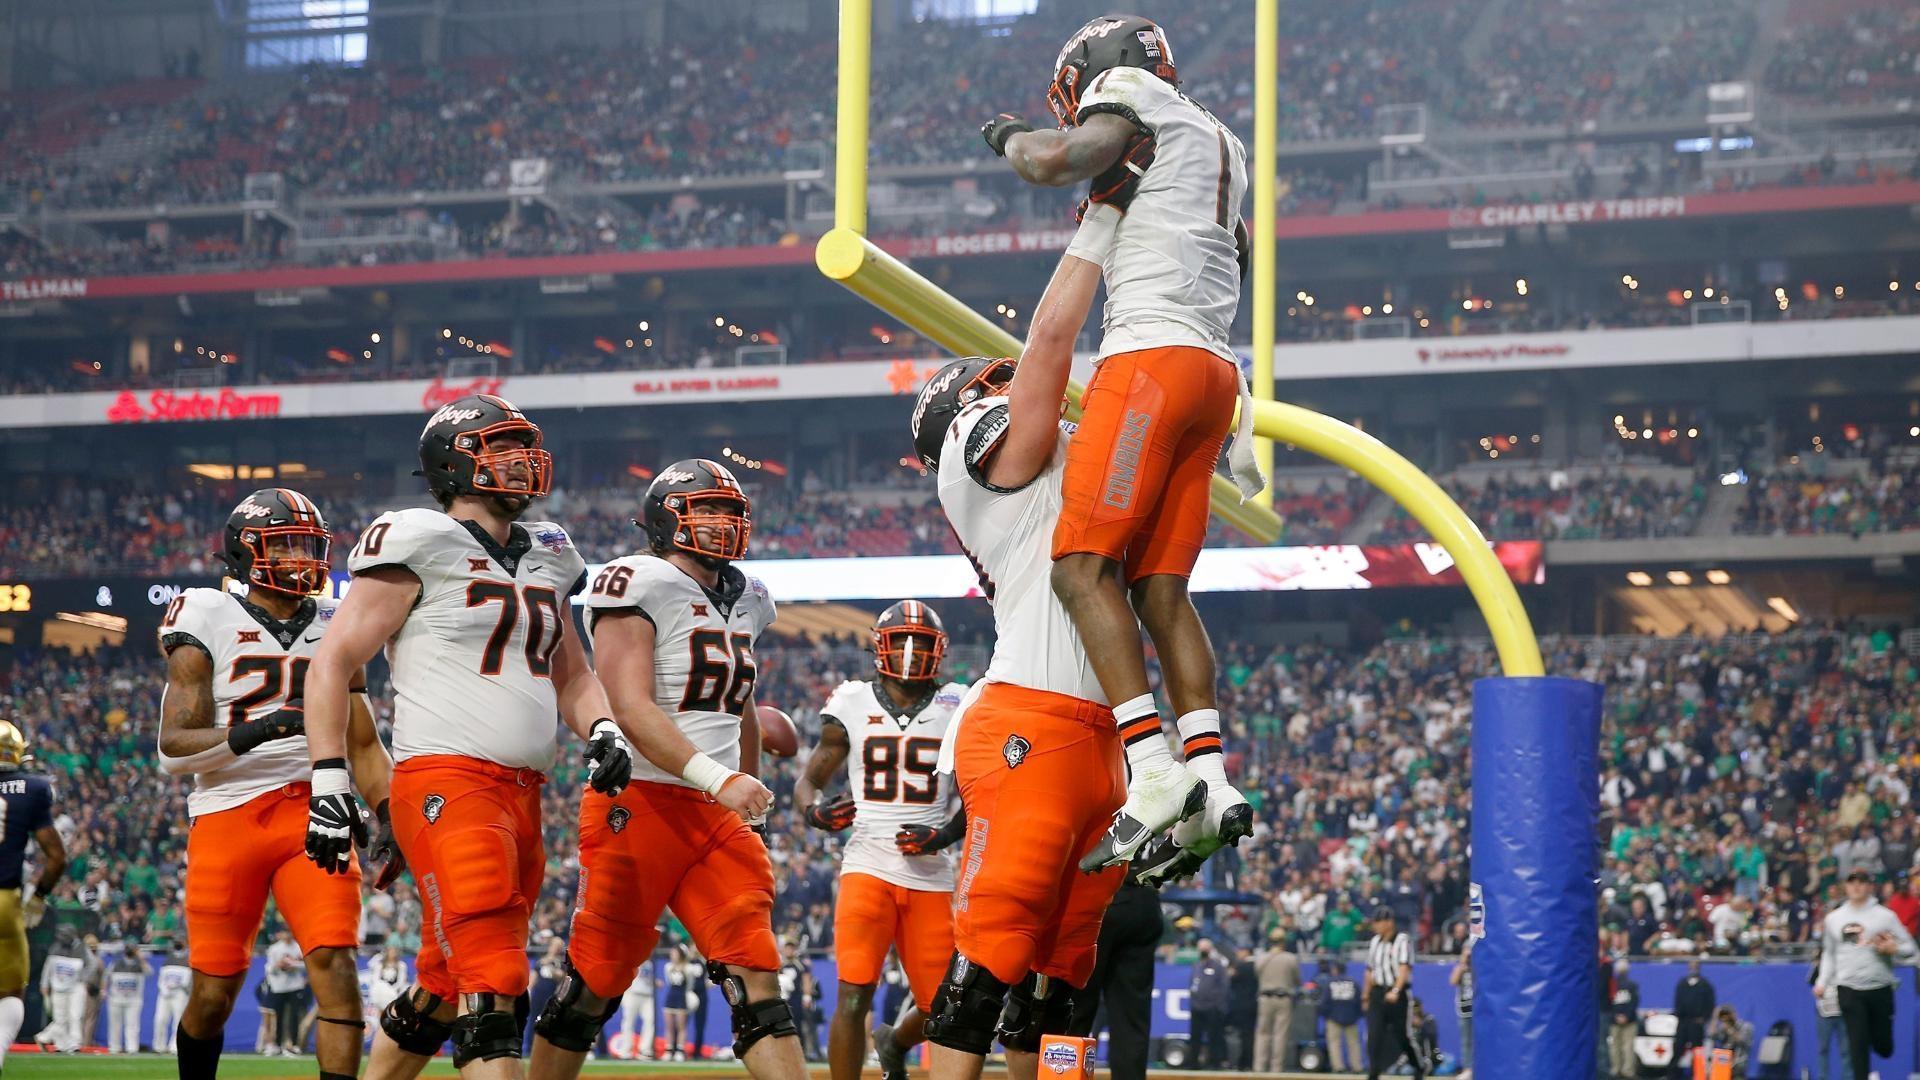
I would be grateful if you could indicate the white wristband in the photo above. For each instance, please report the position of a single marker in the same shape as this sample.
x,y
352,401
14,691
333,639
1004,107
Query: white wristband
x,y
593,731
706,774
331,781
1095,237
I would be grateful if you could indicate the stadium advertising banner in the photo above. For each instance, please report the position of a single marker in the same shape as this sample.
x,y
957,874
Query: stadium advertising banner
x,y
873,378
1277,569
1716,343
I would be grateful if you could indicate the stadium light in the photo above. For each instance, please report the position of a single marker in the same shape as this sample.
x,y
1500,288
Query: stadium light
x,y
1639,578
1784,609
1719,577
1679,577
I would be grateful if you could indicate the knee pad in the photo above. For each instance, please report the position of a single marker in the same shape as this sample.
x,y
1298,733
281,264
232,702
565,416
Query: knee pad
x,y
487,1030
1040,1005
408,1021
564,1023
966,1008
752,1020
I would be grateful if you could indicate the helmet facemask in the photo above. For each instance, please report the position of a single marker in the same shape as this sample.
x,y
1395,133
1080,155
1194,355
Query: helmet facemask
x,y
291,559
911,653
493,469
712,525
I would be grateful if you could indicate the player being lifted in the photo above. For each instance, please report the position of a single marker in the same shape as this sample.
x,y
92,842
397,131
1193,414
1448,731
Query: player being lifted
x,y
896,880
26,813
1157,411
231,718
673,633
1035,750
472,605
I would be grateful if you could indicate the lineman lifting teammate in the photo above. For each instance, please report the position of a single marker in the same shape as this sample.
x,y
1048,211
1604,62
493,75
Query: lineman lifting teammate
x,y
26,801
896,877
1035,752
231,718
472,604
673,631
1157,411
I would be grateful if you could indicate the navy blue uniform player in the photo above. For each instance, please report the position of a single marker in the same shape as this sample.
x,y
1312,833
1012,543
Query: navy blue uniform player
x,y
26,812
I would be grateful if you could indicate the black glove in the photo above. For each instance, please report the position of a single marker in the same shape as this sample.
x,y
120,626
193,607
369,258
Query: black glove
x,y
291,720
925,839
610,757
833,815
1001,128
335,822
1118,185
385,850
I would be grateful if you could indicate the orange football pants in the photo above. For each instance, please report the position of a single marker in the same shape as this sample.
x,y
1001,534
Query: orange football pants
x,y
1139,468
660,846
1040,776
871,915
470,830
236,857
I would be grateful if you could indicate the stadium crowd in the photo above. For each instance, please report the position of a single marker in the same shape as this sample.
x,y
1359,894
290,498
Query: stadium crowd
x,y
887,510
740,101
1743,779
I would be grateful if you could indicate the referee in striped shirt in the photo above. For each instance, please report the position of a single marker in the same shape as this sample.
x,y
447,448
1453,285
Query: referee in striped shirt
x,y
1389,976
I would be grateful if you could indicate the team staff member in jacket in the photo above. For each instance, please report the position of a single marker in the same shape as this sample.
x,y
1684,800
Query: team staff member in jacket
x,y
1859,944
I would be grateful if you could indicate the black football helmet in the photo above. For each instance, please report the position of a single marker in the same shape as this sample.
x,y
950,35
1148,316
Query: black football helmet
x,y
953,388
696,505
909,643
454,456
1109,41
277,539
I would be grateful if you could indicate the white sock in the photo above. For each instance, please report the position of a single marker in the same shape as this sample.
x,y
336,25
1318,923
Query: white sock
x,y
13,1013
1139,722
1200,740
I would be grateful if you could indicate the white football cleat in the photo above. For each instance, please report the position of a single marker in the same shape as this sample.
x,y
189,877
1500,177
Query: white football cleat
x,y
1227,820
1155,801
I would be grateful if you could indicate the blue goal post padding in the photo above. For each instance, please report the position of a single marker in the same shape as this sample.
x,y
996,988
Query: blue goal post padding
x,y
1536,796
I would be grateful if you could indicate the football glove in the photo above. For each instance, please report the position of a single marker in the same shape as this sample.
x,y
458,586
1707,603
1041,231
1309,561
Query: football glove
x,y
1001,128
335,822
34,910
1117,186
385,850
926,840
289,721
610,758
832,815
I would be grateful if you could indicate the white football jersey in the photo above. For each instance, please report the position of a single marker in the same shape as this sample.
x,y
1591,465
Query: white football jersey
x,y
259,664
892,774
473,663
703,668
1172,273
1008,536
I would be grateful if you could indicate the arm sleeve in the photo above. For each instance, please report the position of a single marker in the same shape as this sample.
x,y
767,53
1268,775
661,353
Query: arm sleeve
x,y
1825,977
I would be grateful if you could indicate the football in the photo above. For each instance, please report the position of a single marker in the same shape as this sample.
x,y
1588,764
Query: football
x,y
777,733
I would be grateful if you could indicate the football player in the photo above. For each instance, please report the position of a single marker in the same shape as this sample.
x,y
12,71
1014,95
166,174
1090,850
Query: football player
x,y
1167,183
896,879
231,717
673,632
26,805
472,605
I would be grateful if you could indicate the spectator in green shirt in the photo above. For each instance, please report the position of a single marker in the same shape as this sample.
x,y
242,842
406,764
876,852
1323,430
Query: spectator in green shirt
x,y
1338,929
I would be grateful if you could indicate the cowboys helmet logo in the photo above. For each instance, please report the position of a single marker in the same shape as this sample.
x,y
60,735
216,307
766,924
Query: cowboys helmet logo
x,y
1015,751
432,807
617,818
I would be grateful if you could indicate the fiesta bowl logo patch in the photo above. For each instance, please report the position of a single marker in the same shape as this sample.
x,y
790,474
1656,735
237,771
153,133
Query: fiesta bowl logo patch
x,y
617,818
432,807
554,539
1062,1058
1015,751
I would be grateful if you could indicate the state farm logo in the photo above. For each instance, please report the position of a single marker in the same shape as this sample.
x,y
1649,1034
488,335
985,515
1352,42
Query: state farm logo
x,y
166,405
451,415
440,392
